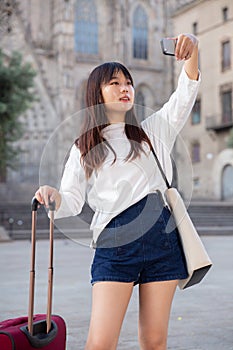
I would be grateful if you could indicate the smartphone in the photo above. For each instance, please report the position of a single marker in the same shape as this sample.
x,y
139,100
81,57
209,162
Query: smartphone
x,y
168,46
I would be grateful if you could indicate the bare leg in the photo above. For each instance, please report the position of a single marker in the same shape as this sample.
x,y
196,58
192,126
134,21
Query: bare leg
x,y
109,304
155,304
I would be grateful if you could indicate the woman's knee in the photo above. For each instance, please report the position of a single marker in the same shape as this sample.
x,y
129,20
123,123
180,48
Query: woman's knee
x,y
155,341
100,344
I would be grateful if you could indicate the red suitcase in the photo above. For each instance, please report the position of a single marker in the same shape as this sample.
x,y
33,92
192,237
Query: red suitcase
x,y
40,331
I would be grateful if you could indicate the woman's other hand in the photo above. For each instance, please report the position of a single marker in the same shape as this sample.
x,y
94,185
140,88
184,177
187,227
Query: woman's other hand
x,y
46,194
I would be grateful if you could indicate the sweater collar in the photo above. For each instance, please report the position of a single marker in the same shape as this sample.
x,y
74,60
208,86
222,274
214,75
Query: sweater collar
x,y
115,129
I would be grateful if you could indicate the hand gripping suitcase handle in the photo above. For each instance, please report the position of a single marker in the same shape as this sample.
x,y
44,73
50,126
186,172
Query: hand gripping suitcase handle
x,y
35,203
34,206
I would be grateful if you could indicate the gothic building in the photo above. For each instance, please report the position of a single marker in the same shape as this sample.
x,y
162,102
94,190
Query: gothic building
x,y
64,40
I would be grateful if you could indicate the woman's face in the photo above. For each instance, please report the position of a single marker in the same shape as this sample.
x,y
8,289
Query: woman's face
x,y
118,96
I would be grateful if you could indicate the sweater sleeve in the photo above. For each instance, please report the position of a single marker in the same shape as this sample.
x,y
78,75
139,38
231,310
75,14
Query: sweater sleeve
x,y
73,186
165,124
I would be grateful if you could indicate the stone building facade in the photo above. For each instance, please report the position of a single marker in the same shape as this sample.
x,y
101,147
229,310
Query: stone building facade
x,y
64,40
206,135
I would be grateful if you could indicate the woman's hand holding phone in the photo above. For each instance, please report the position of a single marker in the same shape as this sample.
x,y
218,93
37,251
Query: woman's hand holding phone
x,y
181,47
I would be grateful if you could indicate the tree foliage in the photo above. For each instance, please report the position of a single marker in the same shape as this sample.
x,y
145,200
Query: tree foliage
x,y
16,96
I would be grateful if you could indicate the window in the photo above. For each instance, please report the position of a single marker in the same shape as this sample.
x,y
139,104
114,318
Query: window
x,y
225,14
140,106
196,112
86,27
226,100
195,28
226,55
195,152
140,33
196,182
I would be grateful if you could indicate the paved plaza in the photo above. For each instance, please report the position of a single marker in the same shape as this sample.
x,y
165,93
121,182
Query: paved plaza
x,y
201,319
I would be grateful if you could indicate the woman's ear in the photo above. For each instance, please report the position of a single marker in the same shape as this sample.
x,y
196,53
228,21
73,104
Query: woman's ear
x,y
100,99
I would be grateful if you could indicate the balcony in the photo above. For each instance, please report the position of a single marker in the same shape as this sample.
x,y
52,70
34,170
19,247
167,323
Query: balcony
x,y
218,123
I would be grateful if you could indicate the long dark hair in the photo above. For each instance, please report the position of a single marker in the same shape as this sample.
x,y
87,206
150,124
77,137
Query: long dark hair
x,y
92,157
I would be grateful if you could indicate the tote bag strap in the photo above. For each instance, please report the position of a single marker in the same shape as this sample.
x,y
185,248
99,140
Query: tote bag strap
x,y
160,168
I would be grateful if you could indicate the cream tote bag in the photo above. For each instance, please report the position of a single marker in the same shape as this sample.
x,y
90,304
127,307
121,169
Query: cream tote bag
x,y
197,259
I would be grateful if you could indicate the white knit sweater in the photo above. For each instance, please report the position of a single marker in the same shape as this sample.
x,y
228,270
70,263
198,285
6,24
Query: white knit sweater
x,y
116,186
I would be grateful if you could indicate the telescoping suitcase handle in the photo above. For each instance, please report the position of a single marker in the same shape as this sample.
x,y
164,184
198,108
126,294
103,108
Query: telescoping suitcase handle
x,y
34,207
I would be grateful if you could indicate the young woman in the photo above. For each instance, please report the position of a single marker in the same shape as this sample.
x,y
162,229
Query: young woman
x,y
112,166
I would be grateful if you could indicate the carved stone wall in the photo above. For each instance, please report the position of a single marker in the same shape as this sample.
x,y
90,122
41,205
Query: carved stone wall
x,y
44,32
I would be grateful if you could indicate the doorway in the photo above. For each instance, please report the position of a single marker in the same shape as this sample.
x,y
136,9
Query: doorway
x,y
227,182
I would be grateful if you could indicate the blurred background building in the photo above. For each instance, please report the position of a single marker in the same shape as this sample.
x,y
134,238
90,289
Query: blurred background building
x,y
207,132
65,39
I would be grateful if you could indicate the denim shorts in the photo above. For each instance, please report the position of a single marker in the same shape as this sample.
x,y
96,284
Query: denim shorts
x,y
140,245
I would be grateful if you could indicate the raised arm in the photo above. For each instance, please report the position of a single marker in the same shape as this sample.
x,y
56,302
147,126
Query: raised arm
x,y
187,50
165,124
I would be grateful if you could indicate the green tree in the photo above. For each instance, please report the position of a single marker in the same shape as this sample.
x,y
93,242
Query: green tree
x,y
230,140
16,96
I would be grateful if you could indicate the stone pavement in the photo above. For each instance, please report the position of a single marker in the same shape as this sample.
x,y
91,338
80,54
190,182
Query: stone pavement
x,y
201,318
